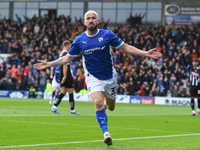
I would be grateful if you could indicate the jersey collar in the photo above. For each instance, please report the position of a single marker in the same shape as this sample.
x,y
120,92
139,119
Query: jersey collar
x,y
91,35
64,50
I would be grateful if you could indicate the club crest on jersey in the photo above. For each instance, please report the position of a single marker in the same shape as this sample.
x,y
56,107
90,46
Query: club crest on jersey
x,y
100,39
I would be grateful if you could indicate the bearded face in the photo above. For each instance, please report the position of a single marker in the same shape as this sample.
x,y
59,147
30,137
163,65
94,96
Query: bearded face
x,y
91,21
92,27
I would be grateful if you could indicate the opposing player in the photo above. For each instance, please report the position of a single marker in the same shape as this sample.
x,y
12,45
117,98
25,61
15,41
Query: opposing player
x,y
66,81
101,78
194,82
55,83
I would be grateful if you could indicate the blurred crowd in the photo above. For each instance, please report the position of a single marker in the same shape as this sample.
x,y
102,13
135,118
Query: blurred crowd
x,y
41,38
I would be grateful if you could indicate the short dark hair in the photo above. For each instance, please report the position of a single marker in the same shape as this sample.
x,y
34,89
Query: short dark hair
x,y
65,43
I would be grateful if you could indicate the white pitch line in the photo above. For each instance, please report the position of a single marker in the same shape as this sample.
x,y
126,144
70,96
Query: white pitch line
x,y
93,141
94,115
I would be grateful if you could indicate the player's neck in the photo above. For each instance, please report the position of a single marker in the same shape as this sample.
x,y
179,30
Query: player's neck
x,y
91,32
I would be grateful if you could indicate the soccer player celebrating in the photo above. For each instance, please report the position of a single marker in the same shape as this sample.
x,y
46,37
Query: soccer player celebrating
x,y
194,82
101,78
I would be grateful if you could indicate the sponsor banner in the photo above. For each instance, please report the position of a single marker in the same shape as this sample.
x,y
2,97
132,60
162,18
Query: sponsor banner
x,y
179,101
81,97
147,100
135,99
181,10
181,14
122,99
12,94
181,20
141,100
77,97
86,97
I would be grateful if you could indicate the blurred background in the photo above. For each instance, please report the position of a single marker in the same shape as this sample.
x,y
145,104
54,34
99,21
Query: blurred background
x,y
32,30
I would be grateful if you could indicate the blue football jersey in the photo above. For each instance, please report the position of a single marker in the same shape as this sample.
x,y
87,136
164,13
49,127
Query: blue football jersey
x,y
56,73
97,52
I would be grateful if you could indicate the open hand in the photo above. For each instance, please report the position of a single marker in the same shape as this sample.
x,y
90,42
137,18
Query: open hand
x,y
153,54
42,65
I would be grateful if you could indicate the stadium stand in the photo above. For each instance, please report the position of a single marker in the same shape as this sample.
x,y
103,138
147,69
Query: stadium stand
x,y
41,38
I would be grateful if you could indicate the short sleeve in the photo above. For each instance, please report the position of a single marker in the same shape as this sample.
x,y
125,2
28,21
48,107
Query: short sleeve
x,y
74,50
114,40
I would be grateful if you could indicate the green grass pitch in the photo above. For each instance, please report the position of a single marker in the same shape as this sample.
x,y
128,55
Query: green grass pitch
x,y
28,124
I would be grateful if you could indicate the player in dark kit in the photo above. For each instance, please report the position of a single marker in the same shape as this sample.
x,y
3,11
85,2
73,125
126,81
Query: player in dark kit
x,y
194,82
66,79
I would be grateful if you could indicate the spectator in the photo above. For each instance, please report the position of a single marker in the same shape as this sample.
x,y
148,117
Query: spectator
x,y
36,40
48,88
32,92
19,86
10,85
36,28
31,80
169,94
182,92
130,90
25,82
175,91
83,91
194,54
18,74
43,78
3,84
2,72
157,92
120,90
13,70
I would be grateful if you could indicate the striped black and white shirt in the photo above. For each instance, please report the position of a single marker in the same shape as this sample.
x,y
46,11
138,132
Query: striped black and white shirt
x,y
194,73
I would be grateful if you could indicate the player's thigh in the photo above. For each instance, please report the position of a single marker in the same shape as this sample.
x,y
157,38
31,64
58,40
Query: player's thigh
x,y
69,84
94,85
110,93
111,88
63,90
55,84
54,88
70,90
110,103
193,91
98,99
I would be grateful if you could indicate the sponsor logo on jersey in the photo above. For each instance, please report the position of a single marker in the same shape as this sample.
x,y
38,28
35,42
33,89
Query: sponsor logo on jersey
x,y
90,51
85,42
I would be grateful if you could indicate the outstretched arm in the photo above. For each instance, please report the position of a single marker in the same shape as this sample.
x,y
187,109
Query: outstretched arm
x,y
59,62
135,51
